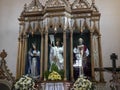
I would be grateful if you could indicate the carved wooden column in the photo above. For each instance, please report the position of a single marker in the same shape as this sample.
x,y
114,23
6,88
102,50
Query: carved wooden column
x,y
71,54
18,60
26,44
22,60
64,42
22,57
92,57
24,54
41,56
100,59
46,49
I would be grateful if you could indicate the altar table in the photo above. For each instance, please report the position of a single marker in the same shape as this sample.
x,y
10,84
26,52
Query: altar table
x,y
54,85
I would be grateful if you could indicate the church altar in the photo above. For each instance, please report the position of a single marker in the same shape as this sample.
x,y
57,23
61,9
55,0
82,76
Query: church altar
x,y
50,34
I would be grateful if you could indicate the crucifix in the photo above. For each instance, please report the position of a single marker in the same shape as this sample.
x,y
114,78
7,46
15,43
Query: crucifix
x,y
113,57
114,83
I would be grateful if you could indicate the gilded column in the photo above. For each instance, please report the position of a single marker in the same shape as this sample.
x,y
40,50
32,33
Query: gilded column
x,y
92,57
18,59
22,64
100,59
64,41
71,54
22,57
46,49
41,56
24,54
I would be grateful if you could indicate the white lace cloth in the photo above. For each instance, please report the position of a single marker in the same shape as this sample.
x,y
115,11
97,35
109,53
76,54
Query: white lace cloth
x,y
53,86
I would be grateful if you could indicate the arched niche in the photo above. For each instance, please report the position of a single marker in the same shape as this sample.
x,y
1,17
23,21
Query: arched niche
x,y
34,39
86,62
54,36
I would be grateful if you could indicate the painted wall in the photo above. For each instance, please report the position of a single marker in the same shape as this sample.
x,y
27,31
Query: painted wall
x,y
9,28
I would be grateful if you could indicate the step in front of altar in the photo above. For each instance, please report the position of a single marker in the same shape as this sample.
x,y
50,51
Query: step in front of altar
x,y
55,85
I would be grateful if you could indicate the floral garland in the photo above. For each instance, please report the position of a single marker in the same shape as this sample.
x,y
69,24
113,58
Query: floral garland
x,y
82,84
24,83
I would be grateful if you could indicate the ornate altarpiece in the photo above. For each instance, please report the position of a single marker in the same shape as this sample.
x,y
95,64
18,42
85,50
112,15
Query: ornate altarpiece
x,y
6,77
67,22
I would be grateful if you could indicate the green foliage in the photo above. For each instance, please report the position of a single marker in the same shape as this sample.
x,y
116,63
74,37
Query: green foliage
x,y
54,67
46,74
61,72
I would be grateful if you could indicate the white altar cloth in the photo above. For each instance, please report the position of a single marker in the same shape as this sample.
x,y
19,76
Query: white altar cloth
x,y
54,86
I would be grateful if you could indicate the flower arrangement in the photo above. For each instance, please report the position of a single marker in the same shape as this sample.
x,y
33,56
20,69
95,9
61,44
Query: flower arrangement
x,y
24,83
82,84
54,76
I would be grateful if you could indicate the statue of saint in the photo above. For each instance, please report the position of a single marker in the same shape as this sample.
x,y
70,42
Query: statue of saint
x,y
34,62
56,54
80,52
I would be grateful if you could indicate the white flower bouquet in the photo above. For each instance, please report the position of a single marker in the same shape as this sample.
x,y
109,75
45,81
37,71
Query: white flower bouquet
x,y
24,83
82,84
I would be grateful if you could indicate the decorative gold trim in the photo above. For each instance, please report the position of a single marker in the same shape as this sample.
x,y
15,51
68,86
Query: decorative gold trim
x,y
80,4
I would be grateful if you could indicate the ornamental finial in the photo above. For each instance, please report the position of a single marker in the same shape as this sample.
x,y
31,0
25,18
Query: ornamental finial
x,y
3,54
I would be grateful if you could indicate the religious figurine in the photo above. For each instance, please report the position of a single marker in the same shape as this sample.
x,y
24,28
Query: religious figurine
x,y
56,54
80,52
34,62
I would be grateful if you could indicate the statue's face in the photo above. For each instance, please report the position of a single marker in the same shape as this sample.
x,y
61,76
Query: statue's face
x,y
57,43
80,40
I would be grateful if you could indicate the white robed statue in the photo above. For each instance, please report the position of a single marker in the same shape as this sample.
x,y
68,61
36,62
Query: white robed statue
x,y
56,53
80,51
34,60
